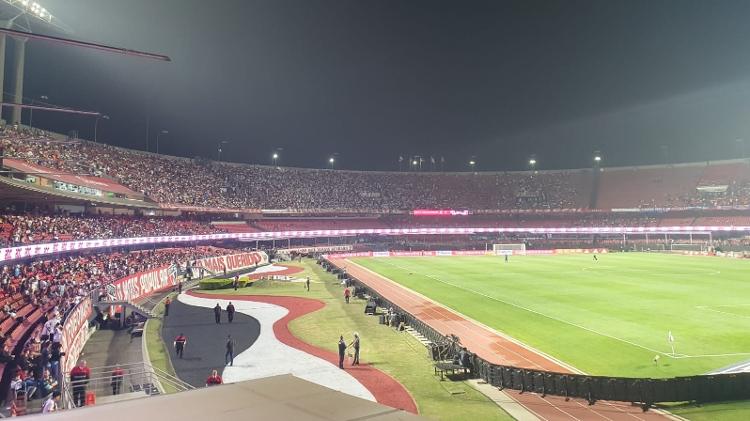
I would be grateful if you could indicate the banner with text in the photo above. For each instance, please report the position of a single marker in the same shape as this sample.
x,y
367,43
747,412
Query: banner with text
x,y
139,285
74,335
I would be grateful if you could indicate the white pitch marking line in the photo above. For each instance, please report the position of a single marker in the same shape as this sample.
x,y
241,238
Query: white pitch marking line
x,y
666,354
709,308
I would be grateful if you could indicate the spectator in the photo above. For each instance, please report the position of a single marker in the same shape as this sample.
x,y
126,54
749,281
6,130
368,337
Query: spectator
x,y
214,379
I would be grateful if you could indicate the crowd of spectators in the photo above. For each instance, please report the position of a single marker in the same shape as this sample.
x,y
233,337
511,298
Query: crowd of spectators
x,y
205,183
25,228
50,289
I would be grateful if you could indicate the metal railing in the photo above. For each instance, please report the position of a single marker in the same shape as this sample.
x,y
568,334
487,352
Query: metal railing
x,y
644,391
138,378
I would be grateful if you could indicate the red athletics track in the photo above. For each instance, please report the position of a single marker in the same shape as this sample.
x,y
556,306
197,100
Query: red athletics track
x,y
497,349
384,387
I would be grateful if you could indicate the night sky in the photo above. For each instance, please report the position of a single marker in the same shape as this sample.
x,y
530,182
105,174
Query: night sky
x,y
372,80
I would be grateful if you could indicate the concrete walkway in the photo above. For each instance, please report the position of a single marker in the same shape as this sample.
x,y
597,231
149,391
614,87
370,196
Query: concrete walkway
x,y
270,357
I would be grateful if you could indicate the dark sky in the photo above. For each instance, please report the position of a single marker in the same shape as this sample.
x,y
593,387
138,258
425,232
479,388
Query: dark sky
x,y
372,80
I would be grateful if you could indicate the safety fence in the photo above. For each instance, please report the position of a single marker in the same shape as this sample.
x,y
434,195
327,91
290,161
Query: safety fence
x,y
644,391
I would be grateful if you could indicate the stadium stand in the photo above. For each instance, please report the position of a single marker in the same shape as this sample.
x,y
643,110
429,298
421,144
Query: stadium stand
x,y
179,182
28,229
40,291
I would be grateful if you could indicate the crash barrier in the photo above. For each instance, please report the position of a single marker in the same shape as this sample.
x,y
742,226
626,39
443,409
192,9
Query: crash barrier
x,y
644,391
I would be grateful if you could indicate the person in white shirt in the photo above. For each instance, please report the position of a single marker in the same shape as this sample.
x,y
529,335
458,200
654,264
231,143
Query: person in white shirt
x,y
50,405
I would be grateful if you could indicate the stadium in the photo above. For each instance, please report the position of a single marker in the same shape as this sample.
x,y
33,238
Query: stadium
x,y
170,282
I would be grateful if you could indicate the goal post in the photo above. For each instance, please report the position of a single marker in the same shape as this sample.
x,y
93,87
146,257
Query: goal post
x,y
509,249
680,247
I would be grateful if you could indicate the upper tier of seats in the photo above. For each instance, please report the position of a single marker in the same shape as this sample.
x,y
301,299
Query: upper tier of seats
x,y
205,183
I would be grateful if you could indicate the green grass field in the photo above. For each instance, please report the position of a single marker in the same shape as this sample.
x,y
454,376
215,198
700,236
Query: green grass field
x,y
396,353
606,317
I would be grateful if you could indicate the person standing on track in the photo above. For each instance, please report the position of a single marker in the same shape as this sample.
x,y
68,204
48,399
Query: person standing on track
x,y
229,355
230,312
217,313
347,294
179,344
342,351
307,283
167,303
236,282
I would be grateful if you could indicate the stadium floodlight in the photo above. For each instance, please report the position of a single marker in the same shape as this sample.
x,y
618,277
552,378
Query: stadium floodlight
x,y
275,156
31,111
597,158
96,125
161,132
532,162
32,8
223,142
414,162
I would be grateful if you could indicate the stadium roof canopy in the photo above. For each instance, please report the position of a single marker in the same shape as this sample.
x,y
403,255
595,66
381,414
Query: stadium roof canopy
x,y
273,398
30,16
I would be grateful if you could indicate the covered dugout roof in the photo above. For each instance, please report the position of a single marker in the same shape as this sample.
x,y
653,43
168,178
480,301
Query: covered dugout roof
x,y
273,398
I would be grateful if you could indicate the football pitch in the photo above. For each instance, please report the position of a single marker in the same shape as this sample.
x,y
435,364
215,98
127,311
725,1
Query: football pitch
x,y
606,317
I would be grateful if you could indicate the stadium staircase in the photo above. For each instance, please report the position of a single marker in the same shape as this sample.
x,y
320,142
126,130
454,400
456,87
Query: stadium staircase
x,y
137,308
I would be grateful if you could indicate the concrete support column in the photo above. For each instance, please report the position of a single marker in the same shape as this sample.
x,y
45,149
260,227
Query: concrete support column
x,y
2,69
18,61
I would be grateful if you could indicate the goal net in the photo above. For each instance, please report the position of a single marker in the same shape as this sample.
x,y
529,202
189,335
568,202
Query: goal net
x,y
509,249
688,247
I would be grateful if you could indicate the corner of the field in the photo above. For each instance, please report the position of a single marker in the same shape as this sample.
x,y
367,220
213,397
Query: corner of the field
x,y
478,323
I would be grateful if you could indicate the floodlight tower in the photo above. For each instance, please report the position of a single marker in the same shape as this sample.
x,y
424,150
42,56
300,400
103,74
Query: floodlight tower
x,y
28,16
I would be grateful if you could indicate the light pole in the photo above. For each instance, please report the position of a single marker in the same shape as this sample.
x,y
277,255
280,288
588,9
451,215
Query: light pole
x,y
223,142
275,158
161,132
472,164
31,111
332,161
532,163
96,125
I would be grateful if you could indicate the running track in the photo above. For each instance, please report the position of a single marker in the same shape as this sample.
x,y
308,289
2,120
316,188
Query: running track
x,y
385,388
497,349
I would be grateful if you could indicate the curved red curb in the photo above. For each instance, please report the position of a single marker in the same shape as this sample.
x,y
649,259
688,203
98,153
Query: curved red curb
x,y
288,271
385,388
